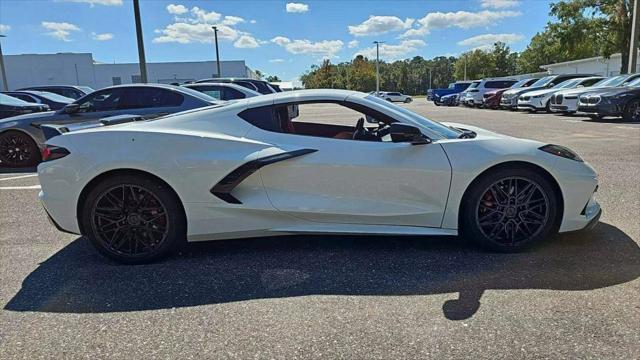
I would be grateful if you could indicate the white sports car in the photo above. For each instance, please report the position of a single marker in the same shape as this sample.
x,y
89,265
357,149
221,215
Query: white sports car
x,y
306,162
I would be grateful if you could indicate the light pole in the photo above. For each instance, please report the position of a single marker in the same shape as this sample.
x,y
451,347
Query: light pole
x,y
378,65
215,34
430,78
4,73
141,57
635,35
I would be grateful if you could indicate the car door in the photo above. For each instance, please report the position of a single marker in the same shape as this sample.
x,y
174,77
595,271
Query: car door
x,y
360,182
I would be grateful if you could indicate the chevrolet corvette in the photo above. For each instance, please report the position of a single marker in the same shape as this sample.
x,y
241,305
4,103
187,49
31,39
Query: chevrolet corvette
x,y
306,162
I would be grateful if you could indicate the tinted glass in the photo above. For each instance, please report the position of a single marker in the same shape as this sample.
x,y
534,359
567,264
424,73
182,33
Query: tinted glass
x,y
105,100
213,91
261,117
55,97
543,81
149,97
232,94
10,100
24,97
498,84
590,82
262,87
520,83
199,95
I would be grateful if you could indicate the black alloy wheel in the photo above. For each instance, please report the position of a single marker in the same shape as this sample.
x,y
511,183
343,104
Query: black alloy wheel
x,y
509,210
133,219
17,149
632,111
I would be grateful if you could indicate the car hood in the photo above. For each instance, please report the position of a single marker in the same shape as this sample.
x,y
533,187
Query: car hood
x,y
520,91
27,117
577,91
614,91
541,92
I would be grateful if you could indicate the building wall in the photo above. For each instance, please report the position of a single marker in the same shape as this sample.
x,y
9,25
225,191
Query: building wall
x,y
597,66
80,69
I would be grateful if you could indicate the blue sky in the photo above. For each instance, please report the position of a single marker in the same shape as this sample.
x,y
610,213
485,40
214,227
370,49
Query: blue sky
x,y
277,37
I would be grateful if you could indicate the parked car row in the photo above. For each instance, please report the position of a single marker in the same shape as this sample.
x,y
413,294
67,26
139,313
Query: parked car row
x,y
23,111
597,96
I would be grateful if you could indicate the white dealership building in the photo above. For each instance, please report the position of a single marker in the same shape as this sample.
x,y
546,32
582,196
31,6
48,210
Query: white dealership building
x,y
594,65
81,69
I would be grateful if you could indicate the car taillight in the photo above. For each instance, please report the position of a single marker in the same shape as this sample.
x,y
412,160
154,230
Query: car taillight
x,y
53,152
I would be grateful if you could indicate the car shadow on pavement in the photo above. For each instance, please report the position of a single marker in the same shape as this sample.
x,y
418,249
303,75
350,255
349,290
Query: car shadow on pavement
x,y
8,170
77,280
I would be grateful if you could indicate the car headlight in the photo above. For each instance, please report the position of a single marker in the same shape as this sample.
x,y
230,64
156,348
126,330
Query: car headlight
x,y
561,151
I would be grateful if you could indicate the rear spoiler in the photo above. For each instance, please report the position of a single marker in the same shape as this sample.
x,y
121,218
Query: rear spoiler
x,y
53,130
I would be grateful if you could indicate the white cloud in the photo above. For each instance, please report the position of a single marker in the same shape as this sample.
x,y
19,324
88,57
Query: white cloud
x,y
297,8
177,9
102,37
252,21
352,44
194,26
459,19
487,40
376,25
60,31
499,4
4,28
325,48
246,42
232,20
96,2
393,52
276,61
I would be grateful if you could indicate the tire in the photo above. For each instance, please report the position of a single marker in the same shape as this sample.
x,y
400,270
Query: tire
x,y
547,107
18,149
511,228
407,100
436,103
596,117
389,99
632,111
122,231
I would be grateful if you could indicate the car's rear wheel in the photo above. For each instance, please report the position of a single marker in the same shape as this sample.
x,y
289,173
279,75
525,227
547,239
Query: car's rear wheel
x,y
133,219
510,209
632,111
18,149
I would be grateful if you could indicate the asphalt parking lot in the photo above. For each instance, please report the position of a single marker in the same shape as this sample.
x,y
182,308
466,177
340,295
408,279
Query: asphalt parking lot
x,y
575,296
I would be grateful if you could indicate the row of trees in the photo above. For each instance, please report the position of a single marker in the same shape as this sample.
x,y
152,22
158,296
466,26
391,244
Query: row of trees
x,y
581,28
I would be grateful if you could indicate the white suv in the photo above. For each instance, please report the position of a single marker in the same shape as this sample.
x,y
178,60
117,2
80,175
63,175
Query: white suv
x,y
475,96
395,97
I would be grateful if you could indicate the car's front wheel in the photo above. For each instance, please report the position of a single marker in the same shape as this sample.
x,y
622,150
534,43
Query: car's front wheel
x,y
133,219
632,111
18,149
509,209
407,100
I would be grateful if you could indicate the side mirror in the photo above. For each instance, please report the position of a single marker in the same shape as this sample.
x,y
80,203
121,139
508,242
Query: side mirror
x,y
71,108
407,133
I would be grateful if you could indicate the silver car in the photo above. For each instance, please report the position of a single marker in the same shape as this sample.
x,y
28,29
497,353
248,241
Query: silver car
x,y
21,138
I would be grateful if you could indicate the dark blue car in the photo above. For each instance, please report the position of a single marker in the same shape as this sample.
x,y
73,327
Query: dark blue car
x,y
454,88
54,101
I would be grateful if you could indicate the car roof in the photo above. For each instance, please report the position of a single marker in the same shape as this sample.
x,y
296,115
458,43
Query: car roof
x,y
303,95
50,87
229,85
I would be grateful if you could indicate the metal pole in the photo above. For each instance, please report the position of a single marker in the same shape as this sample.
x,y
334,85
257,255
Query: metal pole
x,y
378,65
141,57
4,73
635,35
215,34
429,78
465,68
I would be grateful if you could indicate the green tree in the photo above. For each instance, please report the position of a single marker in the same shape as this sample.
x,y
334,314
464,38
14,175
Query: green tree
x,y
273,78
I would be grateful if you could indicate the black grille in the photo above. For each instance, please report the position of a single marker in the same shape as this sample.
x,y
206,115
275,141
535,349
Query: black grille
x,y
594,100
559,99
525,98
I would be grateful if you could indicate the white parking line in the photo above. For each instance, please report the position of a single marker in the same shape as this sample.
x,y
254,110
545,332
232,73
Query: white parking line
x,y
32,187
18,177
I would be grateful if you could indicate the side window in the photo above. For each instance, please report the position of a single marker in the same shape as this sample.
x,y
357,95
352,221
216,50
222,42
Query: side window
x,y
262,117
23,97
101,101
590,82
213,91
232,94
150,97
247,85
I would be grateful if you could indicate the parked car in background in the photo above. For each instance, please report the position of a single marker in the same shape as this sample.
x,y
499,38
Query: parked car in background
x,y
54,101
276,87
260,86
454,88
70,91
491,99
566,101
223,91
475,96
140,99
11,106
541,99
449,100
509,99
618,102
394,96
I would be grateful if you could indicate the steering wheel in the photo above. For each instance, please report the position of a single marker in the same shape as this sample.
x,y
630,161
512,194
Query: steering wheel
x,y
360,132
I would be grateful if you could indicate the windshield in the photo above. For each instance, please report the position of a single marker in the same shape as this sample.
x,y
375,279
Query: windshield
x,y
473,84
519,84
199,95
567,84
612,81
436,127
54,97
542,81
10,100
86,89
635,83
